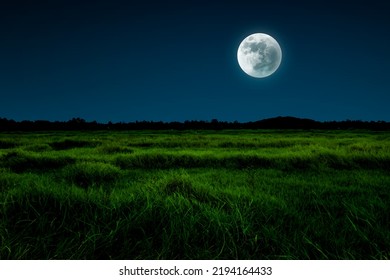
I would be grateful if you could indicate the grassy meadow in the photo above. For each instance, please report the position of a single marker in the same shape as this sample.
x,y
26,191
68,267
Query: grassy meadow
x,y
195,195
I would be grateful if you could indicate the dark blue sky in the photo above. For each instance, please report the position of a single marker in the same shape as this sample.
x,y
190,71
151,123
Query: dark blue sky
x,y
176,60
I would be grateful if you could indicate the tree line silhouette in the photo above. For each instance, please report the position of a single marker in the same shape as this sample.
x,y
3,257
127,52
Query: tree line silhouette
x,y
214,124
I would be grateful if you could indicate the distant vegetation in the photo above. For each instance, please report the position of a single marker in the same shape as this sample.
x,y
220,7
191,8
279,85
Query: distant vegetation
x,y
229,194
272,123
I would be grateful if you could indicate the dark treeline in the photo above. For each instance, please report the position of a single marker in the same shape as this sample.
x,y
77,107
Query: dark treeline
x,y
272,123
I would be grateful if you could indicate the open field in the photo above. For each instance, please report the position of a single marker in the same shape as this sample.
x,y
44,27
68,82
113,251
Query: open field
x,y
195,195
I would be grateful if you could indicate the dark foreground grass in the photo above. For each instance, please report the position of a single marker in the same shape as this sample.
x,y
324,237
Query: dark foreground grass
x,y
226,195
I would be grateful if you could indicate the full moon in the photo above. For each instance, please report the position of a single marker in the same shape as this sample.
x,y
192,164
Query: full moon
x,y
259,55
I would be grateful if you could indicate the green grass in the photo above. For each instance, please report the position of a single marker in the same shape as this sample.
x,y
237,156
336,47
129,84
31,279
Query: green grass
x,y
195,195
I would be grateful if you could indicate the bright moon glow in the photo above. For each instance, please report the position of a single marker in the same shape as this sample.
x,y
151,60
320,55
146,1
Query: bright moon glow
x,y
259,55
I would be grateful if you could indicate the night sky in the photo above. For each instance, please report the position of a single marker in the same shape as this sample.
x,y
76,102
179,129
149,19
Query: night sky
x,y
176,60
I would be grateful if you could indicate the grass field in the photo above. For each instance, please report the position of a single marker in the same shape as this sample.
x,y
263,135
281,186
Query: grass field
x,y
195,195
